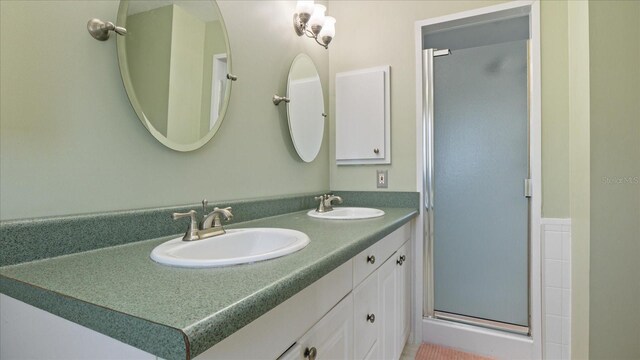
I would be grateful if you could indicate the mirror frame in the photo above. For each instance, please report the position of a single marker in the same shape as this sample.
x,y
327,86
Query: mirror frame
x,y
296,145
133,99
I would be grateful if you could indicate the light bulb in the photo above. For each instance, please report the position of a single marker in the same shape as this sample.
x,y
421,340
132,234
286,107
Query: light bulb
x,y
304,7
317,18
329,27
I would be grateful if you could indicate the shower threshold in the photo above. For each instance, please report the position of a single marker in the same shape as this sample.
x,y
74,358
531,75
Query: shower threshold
x,y
490,324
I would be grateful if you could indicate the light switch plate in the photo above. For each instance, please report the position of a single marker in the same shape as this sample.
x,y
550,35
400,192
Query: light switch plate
x,y
382,178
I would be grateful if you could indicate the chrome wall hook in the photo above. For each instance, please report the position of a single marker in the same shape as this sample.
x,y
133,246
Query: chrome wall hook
x,y
100,29
278,99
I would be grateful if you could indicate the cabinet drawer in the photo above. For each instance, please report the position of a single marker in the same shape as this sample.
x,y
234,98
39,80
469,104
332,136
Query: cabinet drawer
x,y
365,311
371,258
275,331
330,338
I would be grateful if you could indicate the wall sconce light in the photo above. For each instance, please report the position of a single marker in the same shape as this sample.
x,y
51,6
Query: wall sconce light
x,y
310,20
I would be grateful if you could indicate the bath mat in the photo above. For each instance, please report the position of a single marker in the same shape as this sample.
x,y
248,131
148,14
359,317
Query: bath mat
x,y
437,352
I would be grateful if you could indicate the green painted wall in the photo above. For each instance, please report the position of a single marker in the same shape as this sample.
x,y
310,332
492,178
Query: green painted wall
x,y
579,174
555,109
71,143
614,314
359,50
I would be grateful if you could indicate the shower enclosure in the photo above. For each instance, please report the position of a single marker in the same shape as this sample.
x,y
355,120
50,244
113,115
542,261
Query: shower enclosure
x,y
476,174
480,163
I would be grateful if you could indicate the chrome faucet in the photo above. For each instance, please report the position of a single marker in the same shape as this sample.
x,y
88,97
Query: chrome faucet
x,y
211,224
326,202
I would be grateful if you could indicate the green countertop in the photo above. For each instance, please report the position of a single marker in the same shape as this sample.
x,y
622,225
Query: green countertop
x,y
178,313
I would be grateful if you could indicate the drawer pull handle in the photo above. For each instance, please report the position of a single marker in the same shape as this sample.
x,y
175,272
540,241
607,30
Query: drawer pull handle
x,y
371,318
371,259
310,353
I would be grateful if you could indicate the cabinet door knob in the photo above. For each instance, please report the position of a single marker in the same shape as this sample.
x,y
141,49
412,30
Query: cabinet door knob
x,y
371,318
376,151
371,259
399,261
403,258
310,353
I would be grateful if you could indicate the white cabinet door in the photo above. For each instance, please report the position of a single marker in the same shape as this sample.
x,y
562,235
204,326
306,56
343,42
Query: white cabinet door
x,y
394,296
388,298
365,316
404,296
373,353
331,337
363,116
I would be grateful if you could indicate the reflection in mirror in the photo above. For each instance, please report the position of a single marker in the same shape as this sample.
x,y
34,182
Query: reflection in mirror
x,y
305,109
174,63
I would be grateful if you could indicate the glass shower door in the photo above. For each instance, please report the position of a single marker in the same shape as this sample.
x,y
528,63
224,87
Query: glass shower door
x,y
480,163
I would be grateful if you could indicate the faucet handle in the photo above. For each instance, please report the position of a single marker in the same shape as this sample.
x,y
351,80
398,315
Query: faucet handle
x,y
321,199
192,231
191,213
204,205
226,212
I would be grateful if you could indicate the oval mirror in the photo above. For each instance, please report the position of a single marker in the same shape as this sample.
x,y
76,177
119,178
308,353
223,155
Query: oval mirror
x,y
305,109
174,63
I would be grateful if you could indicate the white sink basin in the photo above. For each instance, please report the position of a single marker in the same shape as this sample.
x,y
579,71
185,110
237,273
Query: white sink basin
x,y
237,246
347,213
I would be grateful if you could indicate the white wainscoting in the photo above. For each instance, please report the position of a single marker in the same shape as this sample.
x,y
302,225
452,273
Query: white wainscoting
x,y
556,288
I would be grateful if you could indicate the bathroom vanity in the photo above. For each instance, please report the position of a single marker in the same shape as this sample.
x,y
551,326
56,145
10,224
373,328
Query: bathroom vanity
x,y
358,311
345,295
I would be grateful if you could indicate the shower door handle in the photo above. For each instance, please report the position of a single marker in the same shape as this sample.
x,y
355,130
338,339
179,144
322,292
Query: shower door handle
x,y
528,190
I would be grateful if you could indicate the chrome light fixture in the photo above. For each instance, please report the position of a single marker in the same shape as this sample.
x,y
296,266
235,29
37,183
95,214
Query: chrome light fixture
x,y
310,20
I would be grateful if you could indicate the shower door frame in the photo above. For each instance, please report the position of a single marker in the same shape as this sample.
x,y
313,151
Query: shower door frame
x,y
468,337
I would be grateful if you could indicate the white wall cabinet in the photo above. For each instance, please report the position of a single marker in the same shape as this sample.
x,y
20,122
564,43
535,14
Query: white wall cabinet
x,y
363,117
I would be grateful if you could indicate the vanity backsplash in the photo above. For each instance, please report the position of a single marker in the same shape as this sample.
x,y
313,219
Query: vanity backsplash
x,y
36,239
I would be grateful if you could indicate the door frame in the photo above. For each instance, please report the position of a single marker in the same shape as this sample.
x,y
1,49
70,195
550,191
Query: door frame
x,y
471,338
